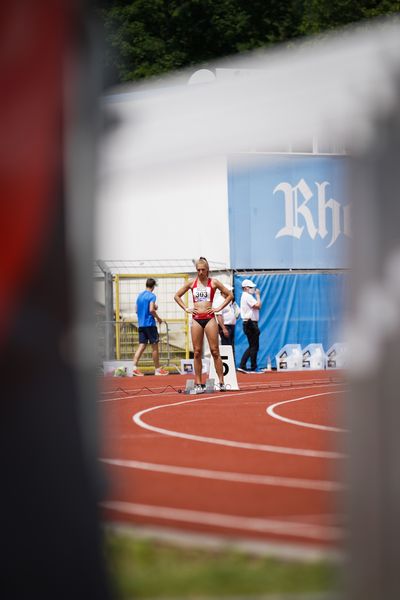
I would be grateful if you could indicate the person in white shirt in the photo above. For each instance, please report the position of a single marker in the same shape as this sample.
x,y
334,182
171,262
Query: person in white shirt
x,y
226,323
250,305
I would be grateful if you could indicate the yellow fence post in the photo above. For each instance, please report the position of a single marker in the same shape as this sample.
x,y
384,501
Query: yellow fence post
x,y
117,319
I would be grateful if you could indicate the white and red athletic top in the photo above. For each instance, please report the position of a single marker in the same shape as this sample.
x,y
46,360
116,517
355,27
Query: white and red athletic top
x,y
202,294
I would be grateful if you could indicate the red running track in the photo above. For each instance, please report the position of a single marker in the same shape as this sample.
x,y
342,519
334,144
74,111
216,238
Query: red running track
x,y
262,464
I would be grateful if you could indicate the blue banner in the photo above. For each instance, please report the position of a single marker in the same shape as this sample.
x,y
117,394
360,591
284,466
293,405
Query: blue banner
x,y
288,212
296,309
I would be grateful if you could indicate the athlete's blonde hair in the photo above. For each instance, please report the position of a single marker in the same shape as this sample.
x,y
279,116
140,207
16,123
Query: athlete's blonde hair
x,y
203,260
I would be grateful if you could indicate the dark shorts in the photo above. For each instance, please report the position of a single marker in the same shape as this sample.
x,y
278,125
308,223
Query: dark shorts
x,y
148,335
203,322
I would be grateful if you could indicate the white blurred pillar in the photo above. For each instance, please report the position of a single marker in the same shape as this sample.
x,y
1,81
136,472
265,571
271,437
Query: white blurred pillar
x,y
374,402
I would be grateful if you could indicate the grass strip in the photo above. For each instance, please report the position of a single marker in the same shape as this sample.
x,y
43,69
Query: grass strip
x,y
145,568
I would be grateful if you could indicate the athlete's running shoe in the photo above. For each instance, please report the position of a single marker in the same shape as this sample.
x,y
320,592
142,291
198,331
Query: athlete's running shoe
x,y
161,371
221,387
198,389
137,373
241,370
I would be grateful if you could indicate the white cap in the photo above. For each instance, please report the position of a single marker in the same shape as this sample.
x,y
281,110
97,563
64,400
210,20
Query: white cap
x,y
248,283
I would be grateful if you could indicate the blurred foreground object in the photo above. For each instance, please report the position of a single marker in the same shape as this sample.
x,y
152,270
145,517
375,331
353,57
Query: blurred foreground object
x,y
50,539
374,346
331,88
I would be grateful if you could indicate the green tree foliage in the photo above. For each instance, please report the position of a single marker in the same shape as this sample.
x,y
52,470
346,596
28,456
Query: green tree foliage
x,y
150,37
322,15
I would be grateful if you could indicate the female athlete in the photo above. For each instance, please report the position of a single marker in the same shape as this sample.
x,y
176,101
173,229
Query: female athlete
x,y
203,318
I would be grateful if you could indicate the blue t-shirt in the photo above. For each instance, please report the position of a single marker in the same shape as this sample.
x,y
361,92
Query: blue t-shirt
x,y
145,318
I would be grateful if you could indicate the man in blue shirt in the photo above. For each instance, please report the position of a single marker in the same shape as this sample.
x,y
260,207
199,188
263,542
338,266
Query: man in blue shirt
x,y
146,308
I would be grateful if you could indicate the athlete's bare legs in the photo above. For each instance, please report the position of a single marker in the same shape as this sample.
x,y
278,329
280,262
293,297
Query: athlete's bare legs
x,y
211,330
197,341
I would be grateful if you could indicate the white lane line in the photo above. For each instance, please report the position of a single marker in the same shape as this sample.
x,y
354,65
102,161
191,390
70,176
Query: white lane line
x,y
324,519
137,418
291,482
272,413
304,530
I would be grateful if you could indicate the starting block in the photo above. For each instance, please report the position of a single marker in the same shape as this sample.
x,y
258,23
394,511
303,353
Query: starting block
x,y
190,389
210,386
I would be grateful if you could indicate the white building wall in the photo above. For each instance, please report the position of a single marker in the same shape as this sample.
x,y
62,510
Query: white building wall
x,y
175,211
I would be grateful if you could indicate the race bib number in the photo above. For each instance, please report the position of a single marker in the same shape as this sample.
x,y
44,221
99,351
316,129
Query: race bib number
x,y
201,295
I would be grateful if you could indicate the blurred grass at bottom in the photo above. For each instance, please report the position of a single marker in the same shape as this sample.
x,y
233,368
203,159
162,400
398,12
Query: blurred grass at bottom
x,y
145,568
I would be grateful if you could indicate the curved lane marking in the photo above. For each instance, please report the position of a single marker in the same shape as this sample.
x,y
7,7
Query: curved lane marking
x,y
291,482
304,530
137,418
272,413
